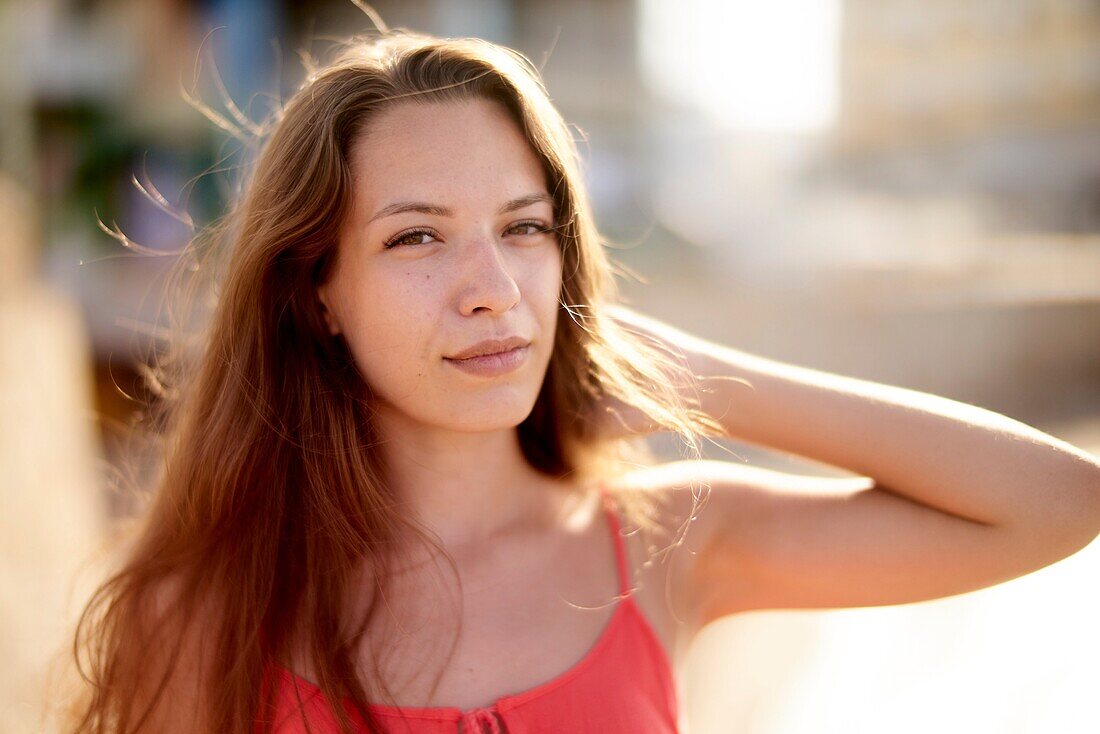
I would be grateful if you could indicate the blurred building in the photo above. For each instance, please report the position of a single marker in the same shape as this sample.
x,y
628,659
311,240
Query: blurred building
x,y
991,99
941,233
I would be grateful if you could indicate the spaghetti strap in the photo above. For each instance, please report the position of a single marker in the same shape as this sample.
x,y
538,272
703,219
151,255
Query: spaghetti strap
x,y
620,549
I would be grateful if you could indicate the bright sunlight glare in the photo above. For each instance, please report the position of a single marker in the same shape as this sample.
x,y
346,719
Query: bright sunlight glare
x,y
748,65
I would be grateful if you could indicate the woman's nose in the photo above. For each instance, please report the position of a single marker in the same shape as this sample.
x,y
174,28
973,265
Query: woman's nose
x,y
488,281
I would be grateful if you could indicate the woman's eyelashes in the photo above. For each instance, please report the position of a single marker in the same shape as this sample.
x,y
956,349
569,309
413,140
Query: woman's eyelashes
x,y
409,237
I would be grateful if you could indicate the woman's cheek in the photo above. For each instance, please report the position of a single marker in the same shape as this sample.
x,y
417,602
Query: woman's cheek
x,y
551,282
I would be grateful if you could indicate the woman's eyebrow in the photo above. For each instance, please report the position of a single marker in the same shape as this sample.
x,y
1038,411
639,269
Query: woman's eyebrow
x,y
442,211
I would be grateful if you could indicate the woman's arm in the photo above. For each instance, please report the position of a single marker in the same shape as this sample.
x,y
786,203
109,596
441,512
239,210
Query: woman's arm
x,y
954,457
948,479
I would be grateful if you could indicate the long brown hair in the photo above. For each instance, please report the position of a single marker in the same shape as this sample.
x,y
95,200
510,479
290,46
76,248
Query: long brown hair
x,y
271,492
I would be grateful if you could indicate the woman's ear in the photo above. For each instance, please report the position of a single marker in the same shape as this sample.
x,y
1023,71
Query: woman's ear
x,y
330,318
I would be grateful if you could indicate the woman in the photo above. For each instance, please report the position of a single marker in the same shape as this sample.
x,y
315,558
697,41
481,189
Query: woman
x,y
416,346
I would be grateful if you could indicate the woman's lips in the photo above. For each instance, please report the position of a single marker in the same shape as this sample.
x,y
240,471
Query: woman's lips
x,y
492,365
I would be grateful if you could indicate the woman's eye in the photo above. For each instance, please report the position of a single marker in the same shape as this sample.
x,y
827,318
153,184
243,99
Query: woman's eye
x,y
409,238
415,237
535,227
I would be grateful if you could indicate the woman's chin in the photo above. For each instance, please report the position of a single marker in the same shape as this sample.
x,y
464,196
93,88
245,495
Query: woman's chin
x,y
490,413
496,420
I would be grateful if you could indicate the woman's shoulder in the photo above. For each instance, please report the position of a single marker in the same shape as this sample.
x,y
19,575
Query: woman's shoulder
x,y
661,551
673,487
686,511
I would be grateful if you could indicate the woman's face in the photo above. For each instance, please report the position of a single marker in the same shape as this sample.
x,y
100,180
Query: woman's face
x,y
448,243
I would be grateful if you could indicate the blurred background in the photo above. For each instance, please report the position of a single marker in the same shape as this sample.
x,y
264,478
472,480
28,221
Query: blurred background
x,y
904,191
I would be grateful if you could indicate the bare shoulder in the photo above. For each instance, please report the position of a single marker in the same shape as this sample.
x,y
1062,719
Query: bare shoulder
x,y
685,492
665,555
711,514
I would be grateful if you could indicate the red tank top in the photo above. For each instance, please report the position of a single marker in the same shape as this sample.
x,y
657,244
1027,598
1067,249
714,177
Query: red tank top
x,y
624,684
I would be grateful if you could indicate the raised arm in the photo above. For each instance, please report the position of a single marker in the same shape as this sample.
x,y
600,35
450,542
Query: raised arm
x,y
950,497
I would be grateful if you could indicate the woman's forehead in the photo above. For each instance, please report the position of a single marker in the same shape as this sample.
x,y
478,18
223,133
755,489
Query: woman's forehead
x,y
444,150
